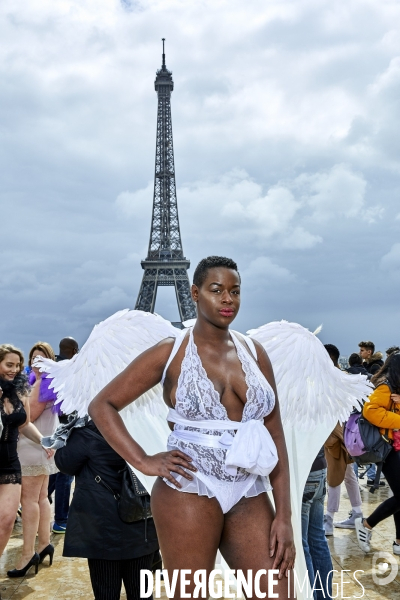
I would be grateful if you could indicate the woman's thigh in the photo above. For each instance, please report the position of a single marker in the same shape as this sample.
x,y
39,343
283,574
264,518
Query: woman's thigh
x,y
245,542
189,529
10,494
43,492
31,487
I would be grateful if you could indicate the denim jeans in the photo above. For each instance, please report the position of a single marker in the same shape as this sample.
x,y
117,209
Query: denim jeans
x,y
316,549
61,483
370,473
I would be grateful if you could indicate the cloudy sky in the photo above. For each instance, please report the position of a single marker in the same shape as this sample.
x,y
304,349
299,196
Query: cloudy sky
x,y
287,150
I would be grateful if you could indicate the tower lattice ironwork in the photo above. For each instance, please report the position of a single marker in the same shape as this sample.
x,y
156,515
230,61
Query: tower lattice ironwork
x,y
165,264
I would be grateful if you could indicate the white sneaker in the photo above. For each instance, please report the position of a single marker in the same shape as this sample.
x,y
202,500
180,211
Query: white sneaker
x,y
396,548
363,535
348,523
328,525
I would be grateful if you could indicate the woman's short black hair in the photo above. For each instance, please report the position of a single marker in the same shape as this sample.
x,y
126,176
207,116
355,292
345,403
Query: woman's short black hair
x,y
212,262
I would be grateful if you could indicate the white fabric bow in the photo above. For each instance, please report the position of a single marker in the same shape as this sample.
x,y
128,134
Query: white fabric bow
x,y
252,449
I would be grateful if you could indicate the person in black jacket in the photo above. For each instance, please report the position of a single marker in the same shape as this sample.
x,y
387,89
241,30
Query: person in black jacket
x,y
116,551
356,366
372,360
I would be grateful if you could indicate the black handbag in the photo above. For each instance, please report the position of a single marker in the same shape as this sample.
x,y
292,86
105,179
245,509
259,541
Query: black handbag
x,y
133,500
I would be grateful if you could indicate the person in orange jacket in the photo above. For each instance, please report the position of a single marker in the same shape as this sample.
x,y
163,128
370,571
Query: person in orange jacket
x,y
383,410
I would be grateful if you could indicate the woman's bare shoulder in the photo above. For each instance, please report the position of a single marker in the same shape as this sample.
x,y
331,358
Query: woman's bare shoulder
x,y
166,343
259,347
23,397
158,354
261,352
164,347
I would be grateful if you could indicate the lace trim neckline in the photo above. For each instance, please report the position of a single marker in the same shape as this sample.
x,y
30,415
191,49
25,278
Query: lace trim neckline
x,y
17,407
204,374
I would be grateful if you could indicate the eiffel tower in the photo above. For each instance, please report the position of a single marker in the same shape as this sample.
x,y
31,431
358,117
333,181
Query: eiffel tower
x,y
165,263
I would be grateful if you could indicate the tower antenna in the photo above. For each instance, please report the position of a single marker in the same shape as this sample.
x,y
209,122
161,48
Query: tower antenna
x,y
163,52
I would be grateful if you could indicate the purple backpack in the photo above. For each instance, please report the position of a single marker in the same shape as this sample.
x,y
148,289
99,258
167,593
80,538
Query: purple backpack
x,y
366,444
364,441
352,436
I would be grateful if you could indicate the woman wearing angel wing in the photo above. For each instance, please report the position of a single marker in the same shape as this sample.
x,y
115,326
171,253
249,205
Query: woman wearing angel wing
x,y
211,488
227,436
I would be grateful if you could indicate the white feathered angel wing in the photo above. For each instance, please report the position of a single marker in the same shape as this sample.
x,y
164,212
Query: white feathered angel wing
x,y
111,347
313,396
310,389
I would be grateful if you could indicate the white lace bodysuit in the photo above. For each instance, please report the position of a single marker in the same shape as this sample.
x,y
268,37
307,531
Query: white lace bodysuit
x,y
229,465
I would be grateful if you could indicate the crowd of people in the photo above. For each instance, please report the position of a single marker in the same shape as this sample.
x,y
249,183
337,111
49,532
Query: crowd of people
x,y
116,550
334,465
28,407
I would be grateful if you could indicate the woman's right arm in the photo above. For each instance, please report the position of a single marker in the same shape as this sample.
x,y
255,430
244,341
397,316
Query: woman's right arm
x,y
139,377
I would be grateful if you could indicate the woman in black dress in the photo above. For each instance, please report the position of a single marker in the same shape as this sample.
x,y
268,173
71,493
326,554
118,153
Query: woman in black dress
x,y
14,413
116,551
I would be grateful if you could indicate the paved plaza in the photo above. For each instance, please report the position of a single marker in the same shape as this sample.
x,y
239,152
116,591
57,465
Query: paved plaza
x,y
68,578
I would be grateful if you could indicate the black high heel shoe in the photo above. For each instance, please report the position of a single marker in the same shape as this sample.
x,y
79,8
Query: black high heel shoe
x,y
48,551
22,572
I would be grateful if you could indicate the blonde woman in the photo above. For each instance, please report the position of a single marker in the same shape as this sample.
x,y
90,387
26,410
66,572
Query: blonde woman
x,y
14,417
35,467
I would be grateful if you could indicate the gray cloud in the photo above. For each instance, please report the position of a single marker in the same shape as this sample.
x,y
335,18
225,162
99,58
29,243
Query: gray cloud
x,y
286,136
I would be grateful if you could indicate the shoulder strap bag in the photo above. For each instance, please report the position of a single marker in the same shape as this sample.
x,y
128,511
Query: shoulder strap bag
x,y
134,500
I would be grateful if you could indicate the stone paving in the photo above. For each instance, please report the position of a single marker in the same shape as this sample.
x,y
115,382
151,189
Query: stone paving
x,y
68,578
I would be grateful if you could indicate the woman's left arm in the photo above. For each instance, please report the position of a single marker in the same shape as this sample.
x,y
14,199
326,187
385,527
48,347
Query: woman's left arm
x,y
35,407
281,536
29,430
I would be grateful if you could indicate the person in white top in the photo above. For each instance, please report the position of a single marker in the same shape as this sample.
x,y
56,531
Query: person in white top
x,y
35,466
227,447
